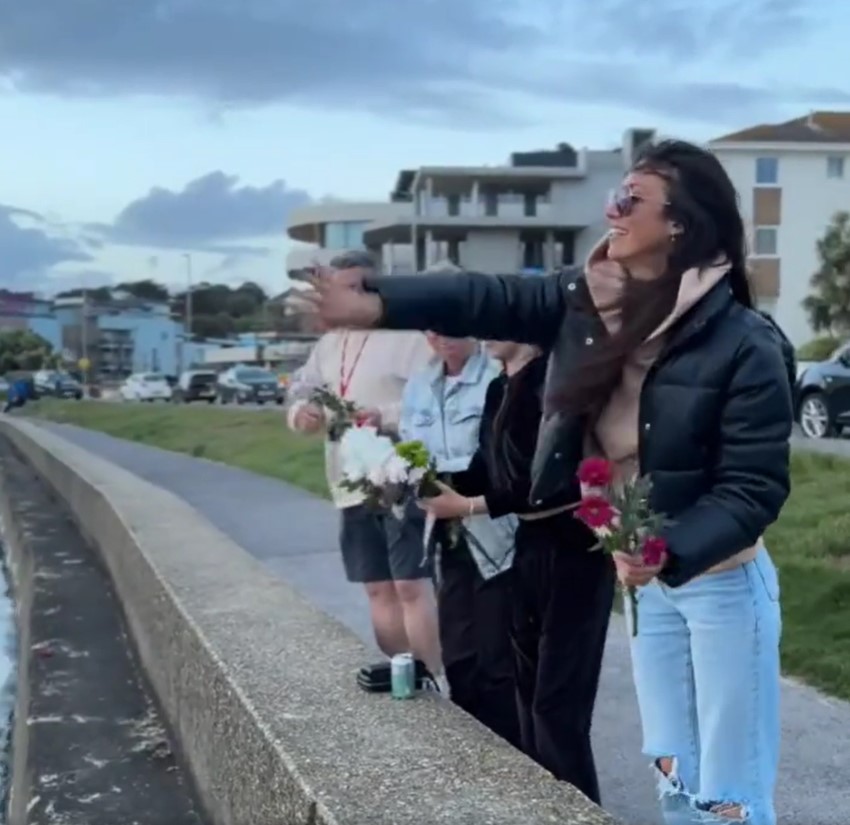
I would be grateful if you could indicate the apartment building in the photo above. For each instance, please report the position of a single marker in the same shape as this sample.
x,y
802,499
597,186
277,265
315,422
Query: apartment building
x,y
120,336
540,210
792,178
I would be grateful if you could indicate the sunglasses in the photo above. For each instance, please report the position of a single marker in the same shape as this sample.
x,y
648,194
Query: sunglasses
x,y
622,201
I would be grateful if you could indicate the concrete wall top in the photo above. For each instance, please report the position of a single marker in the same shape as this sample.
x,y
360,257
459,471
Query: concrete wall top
x,y
257,683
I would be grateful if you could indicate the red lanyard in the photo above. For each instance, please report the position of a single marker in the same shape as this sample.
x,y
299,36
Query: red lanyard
x,y
345,380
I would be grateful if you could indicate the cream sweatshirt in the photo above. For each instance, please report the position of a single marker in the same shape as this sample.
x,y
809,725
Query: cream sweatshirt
x,y
373,367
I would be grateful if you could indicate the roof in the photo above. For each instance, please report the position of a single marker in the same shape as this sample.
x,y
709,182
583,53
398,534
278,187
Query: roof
x,y
816,127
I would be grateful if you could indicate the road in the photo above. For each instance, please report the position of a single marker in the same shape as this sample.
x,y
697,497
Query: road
x,y
295,535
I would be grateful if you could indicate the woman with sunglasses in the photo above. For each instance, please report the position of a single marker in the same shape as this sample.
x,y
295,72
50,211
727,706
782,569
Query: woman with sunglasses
x,y
562,594
660,363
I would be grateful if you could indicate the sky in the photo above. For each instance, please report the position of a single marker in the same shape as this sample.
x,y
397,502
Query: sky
x,y
132,133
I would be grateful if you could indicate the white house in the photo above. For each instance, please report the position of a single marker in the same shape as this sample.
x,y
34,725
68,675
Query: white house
x,y
792,178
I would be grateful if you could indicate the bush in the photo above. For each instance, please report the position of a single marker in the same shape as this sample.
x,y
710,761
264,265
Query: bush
x,y
819,349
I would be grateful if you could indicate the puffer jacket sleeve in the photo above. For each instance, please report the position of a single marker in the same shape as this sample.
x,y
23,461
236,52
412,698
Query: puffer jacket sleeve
x,y
527,309
752,474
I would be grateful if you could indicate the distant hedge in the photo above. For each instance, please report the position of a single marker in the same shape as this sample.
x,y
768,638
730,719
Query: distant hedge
x,y
818,349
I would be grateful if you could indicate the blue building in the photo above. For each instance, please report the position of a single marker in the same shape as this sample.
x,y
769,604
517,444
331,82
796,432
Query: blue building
x,y
123,336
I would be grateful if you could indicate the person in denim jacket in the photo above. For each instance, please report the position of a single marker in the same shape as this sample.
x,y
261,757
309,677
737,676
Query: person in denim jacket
x,y
442,406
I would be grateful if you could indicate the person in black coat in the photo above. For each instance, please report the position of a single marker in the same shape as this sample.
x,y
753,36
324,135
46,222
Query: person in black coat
x,y
660,363
561,593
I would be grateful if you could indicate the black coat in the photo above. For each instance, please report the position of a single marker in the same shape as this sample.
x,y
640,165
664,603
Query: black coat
x,y
715,409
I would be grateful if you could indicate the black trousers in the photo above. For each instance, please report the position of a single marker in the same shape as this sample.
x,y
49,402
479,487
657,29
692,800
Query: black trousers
x,y
563,595
475,634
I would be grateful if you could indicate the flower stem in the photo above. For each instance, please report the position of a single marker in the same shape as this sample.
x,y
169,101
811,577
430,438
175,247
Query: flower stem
x,y
631,592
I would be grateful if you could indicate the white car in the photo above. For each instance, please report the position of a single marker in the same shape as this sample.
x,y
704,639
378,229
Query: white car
x,y
146,386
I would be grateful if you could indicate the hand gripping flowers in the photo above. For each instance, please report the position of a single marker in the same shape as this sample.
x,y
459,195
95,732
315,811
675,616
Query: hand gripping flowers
x,y
620,517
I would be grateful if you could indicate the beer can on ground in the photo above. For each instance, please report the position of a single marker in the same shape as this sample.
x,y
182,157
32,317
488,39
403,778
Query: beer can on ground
x,y
403,676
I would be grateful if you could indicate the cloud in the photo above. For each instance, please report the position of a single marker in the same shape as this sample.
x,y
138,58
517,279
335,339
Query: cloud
x,y
211,213
449,59
27,252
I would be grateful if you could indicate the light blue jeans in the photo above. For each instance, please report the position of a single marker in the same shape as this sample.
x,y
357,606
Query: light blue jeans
x,y
706,669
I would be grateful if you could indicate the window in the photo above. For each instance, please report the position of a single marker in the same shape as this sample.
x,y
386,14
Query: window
x,y
767,171
835,166
344,235
766,240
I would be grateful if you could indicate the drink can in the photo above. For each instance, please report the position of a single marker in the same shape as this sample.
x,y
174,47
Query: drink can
x,y
403,676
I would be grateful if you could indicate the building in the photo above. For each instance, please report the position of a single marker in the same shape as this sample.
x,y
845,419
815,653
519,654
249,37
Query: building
x,y
792,178
326,229
540,210
119,337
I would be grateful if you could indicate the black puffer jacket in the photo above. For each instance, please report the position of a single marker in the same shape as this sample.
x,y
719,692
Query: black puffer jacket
x,y
715,409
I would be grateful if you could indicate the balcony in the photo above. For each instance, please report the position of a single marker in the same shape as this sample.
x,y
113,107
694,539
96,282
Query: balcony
x,y
520,207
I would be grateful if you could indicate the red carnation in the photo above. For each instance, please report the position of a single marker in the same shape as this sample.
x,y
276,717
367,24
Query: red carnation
x,y
595,472
596,512
652,550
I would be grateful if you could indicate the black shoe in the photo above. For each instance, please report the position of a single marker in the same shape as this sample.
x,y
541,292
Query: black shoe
x,y
377,678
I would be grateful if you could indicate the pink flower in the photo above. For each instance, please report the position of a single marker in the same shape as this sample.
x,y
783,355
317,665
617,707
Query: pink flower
x,y
595,472
653,550
596,512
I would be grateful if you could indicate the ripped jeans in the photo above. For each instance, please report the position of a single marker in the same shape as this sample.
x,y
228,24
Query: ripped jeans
x,y
706,670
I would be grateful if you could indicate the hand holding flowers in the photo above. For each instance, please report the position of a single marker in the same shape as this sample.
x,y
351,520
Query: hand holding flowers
x,y
448,504
627,529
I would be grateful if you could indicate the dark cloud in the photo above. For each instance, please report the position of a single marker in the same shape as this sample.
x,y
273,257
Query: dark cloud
x,y
27,252
451,59
212,213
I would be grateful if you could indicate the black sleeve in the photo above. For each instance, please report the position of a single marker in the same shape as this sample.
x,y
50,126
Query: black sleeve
x,y
752,475
527,309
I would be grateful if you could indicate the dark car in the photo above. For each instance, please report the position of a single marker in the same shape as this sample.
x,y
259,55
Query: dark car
x,y
822,396
249,385
57,385
195,385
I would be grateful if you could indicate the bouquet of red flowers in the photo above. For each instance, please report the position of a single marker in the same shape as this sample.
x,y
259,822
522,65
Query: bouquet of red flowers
x,y
620,517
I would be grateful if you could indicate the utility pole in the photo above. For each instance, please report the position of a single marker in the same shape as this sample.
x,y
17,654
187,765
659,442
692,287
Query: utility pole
x,y
188,258
185,355
84,341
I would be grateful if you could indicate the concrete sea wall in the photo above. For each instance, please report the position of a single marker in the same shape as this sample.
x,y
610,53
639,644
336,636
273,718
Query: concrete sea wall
x,y
257,683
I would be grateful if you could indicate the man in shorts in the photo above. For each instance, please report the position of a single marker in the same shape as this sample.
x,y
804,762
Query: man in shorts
x,y
370,369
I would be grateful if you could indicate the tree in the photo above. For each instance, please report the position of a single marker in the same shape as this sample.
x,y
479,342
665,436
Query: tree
x,y
828,305
146,290
21,349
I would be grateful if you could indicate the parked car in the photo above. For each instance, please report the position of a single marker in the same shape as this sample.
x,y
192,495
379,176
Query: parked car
x,y
56,384
146,386
249,385
195,385
822,396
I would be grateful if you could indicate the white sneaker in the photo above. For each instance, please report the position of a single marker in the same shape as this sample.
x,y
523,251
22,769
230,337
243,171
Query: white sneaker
x,y
439,684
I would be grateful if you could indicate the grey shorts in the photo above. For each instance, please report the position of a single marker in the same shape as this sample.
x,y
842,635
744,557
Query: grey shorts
x,y
378,547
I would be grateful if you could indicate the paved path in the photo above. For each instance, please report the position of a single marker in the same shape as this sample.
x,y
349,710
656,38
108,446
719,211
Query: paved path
x,y
828,446
294,534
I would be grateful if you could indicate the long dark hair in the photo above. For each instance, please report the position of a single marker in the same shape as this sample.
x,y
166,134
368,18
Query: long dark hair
x,y
703,201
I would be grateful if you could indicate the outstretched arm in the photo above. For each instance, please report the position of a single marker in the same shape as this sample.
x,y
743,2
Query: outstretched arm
x,y
527,309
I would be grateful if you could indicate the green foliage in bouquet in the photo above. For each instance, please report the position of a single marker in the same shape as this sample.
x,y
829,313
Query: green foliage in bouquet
x,y
341,413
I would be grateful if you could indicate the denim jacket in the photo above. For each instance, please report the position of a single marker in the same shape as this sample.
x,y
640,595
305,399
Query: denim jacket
x,y
448,426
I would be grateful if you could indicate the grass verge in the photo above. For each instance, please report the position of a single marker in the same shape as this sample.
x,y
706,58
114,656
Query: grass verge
x,y
810,543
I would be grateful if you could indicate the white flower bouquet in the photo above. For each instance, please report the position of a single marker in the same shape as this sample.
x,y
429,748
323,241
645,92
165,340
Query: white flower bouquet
x,y
389,474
